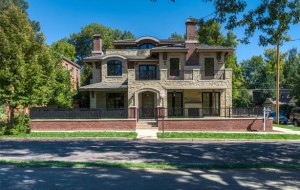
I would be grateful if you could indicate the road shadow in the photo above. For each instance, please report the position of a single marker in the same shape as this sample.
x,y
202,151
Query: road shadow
x,y
141,179
163,152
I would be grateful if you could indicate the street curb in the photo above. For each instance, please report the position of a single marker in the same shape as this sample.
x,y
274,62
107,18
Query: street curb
x,y
227,140
145,140
66,139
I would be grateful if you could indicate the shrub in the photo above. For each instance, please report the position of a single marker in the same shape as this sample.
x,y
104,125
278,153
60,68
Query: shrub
x,y
21,125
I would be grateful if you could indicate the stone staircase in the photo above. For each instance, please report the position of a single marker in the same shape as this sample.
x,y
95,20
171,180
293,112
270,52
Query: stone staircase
x,y
146,124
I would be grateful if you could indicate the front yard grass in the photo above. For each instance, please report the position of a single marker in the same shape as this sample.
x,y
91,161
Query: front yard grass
x,y
74,135
287,127
228,136
65,164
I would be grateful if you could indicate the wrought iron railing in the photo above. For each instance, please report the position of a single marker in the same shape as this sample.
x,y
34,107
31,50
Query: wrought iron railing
x,y
147,75
77,113
213,112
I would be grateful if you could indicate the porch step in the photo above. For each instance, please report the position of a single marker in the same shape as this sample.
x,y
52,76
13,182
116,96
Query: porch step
x,y
142,124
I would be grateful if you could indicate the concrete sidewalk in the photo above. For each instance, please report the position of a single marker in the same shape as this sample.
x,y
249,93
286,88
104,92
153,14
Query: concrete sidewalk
x,y
287,131
146,134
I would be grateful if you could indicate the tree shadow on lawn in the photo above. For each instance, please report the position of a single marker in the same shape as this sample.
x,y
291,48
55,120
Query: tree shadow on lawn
x,y
114,178
162,152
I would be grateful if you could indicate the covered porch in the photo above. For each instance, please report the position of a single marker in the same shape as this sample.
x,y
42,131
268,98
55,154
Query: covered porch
x,y
196,103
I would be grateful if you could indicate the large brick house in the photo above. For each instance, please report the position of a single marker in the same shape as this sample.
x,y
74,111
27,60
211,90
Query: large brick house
x,y
182,77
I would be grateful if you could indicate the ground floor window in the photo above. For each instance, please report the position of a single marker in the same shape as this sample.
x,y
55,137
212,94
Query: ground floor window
x,y
175,104
211,103
114,100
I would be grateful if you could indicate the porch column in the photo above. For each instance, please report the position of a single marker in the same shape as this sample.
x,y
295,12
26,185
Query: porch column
x,y
132,112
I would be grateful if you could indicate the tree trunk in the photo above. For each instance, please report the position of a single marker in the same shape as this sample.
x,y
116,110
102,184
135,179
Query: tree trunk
x,y
11,117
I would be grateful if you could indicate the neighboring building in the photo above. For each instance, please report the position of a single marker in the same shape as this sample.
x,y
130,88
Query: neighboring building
x,y
74,70
185,78
285,99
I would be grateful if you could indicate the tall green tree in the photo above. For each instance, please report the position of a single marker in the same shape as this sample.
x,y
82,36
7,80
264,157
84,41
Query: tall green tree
x,y
273,18
64,48
25,70
176,36
29,72
83,41
62,86
23,4
127,35
291,72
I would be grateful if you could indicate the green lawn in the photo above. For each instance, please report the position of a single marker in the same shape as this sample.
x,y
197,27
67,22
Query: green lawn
x,y
229,136
64,164
74,135
287,127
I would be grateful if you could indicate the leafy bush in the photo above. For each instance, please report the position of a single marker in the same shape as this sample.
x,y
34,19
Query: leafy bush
x,y
21,125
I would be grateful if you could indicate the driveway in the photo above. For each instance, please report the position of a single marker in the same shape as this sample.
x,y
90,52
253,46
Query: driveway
x,y
145,179
143,151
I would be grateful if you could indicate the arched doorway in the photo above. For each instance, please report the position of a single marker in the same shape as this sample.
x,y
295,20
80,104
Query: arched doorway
x,y
147,105
146,101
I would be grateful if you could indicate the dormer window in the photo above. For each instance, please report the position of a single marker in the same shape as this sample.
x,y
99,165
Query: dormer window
x,y
147,46
114,68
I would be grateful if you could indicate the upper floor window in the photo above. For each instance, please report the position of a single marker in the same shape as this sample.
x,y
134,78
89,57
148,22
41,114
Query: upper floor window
x,y
66,66
147,46
209,66
114,68
174,67
72,72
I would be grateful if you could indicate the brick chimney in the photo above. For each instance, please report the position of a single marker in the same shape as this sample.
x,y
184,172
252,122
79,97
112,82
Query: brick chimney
x,y
97,45
191,42
191,31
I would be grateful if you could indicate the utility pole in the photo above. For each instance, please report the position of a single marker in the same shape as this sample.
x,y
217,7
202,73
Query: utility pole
x,y
277,85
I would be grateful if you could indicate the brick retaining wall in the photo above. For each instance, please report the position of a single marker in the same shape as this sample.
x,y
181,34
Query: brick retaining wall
x,y
215,124
81,125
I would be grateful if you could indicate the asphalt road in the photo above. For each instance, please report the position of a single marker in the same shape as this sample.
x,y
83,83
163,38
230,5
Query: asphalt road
x,y
133,179
143,151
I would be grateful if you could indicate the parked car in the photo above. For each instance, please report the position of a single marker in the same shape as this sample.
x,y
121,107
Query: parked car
x,y
295,116
282,118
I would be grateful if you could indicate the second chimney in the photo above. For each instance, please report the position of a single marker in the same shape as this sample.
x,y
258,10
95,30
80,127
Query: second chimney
x,y
97,45
191,30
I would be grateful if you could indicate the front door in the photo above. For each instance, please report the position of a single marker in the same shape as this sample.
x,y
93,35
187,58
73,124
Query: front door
x,y
147,111
211,103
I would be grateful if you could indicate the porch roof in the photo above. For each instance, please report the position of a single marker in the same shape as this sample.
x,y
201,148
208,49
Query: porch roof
x,y
104,86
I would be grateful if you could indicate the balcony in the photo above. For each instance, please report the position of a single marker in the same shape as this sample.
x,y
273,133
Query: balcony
x,y
192,75
147,75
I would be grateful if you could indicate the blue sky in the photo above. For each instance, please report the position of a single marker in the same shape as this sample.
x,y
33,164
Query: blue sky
x,y
60,18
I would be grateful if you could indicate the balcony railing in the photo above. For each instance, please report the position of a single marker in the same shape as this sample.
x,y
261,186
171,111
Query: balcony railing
x,y
180,75
212,75
147,75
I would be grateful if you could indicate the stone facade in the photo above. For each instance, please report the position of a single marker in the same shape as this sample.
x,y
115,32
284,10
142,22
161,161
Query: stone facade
x,y
153,68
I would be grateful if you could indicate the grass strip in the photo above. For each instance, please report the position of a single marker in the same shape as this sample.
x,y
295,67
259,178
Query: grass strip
x,y
73,135
287,127
64,164
229,136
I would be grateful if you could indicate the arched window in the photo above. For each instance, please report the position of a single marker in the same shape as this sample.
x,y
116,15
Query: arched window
x,y
114,68
147,46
